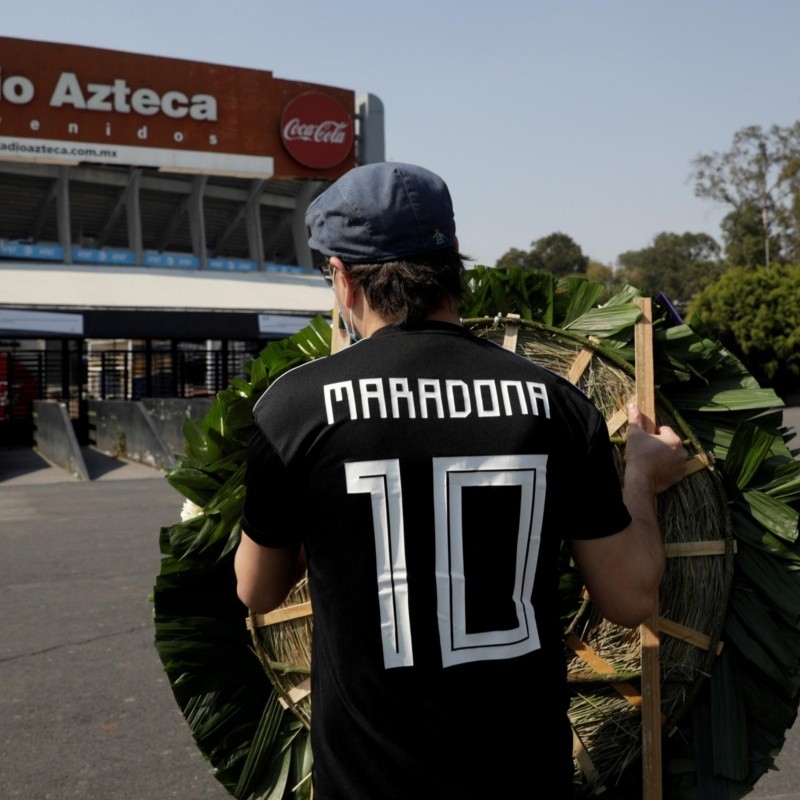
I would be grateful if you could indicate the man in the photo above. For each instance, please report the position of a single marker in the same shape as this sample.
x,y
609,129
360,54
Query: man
x,y
429,478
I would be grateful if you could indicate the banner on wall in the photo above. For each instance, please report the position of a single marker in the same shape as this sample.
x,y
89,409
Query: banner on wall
x,y
70,104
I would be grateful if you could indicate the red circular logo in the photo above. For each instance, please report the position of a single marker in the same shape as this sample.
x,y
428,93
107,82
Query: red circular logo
x,y
317,130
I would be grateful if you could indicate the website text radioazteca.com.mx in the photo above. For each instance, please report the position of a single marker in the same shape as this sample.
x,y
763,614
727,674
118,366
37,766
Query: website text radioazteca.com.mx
x,y
54,150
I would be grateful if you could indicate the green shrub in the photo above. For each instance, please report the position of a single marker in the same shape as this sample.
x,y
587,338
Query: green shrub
x,y
755,313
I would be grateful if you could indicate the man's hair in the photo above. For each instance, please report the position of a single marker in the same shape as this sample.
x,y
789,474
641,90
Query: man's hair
x,y
408,290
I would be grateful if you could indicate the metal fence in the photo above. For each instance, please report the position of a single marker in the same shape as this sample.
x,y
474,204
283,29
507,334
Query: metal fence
x,y
132,375
75,372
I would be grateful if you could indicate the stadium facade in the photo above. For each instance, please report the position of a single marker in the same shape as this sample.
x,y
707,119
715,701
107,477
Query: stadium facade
x,y
152,233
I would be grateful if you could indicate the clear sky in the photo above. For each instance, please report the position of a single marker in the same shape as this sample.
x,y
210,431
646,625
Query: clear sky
x,y
542,115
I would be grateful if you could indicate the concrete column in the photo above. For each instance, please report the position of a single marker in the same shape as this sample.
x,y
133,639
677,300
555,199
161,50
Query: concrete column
x,y
370,137
134,216
197,222
255,241
62,213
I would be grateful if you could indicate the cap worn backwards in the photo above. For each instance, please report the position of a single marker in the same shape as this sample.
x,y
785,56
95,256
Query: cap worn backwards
x,y
382,212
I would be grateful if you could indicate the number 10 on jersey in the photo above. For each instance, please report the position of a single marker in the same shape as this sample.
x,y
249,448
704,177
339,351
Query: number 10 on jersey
x,y
381,480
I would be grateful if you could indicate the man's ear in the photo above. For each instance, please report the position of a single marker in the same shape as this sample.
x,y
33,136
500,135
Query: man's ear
x,y
348,291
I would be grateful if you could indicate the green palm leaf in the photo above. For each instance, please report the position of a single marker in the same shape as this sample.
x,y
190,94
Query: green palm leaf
x,y
606,321
256,748
774,515
749,448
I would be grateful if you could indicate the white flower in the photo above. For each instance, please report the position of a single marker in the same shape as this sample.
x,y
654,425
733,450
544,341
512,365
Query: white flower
x,y
190,510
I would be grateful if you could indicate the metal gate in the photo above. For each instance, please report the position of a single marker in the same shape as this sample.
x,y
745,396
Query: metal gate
x,y
75,371
54,373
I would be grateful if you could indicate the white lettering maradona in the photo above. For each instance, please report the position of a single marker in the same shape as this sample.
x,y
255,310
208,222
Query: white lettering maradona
x,y
397,398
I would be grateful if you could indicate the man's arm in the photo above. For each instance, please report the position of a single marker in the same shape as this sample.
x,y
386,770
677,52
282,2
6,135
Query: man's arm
x,y
266,575
622,572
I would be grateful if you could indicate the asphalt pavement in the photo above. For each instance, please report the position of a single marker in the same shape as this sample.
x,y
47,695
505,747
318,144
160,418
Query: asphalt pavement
x,y
86,710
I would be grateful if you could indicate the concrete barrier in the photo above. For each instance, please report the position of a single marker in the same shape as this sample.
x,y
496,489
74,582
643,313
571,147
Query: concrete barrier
x,y
169,413
54,437
124,429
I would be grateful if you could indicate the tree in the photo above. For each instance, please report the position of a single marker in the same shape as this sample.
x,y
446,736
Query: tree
x,y
601,273
679,265
556,253
756,315
559,254
759,174
743,234
515,258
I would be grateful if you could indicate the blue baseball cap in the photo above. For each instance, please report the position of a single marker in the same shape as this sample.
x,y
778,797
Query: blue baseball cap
x,y
382,212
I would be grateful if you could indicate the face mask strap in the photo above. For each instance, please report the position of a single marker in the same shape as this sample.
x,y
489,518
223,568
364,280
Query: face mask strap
x,y
351,330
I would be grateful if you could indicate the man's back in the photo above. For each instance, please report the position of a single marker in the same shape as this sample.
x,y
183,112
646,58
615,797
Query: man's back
x,y
429,477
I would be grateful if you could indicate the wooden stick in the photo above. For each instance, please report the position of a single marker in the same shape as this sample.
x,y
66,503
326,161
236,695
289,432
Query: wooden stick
x,y
282,614
581,755
645,383
578,366
686,634
652,783
695,463
297,693
617,420
714,547
512,332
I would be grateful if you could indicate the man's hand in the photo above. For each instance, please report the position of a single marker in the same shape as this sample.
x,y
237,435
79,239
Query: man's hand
x,y
622,572
657,458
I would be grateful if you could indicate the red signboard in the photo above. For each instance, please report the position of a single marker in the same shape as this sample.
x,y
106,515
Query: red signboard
x,y
317,130
67,104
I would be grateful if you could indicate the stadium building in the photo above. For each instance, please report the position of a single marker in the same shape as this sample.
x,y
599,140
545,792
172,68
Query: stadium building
x,y
152,233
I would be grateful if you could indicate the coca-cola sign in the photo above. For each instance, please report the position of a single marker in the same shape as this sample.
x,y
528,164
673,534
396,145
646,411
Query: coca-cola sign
x,y
317,130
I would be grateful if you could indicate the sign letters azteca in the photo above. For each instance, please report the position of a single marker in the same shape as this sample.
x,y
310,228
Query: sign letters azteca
x,y
68,104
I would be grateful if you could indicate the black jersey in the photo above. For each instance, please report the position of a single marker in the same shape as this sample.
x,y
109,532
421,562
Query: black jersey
x,y
431,476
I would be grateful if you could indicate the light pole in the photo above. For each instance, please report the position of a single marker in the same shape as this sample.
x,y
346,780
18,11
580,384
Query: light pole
x,y
762,147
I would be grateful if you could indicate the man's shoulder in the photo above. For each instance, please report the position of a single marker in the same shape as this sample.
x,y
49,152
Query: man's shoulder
x,y
291,385
300,381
